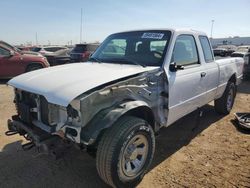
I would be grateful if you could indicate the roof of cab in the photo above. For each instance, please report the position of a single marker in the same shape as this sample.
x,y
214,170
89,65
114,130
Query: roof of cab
x,y
174,30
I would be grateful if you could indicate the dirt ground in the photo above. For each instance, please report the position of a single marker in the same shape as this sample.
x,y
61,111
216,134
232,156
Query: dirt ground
x,y
213,153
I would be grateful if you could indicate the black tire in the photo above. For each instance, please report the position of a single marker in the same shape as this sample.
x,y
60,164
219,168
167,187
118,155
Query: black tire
x,y
116,143
224,104
33,67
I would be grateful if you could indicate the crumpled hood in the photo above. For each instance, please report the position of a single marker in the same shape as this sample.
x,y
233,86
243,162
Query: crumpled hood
x,y
61,84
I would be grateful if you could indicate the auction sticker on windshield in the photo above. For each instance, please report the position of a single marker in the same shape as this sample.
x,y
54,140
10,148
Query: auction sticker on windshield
x,y
152,35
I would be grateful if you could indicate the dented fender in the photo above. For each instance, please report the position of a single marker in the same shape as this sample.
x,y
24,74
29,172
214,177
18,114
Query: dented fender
x,y
107,118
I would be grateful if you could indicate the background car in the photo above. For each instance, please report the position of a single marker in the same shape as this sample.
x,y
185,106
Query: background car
x,y
59,57
81,52
220,52
48,50
13,63
229,48
22,51
244,52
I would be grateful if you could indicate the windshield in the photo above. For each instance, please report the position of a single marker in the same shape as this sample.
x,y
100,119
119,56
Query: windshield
x,y
146,48
36,49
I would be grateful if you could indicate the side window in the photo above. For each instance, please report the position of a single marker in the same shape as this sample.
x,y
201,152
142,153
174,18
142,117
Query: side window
x,y
185,51
4,52
208,55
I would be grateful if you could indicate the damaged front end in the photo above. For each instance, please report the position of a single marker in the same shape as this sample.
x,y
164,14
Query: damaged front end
x,y
50,126
41,123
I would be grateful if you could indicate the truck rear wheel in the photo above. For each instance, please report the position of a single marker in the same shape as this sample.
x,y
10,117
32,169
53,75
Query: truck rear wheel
x,y
125,152
224,104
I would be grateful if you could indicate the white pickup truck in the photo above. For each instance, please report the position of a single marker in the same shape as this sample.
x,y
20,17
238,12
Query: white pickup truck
x,y
135,83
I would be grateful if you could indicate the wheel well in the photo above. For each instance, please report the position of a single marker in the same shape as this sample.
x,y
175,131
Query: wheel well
x,y
143,112
233,78
32,64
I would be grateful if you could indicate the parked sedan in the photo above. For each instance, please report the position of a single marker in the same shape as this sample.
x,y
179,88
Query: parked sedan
x,y
13,63
48,50
59,57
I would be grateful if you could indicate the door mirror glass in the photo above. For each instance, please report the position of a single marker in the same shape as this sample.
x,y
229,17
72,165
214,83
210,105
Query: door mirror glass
x,y
11,53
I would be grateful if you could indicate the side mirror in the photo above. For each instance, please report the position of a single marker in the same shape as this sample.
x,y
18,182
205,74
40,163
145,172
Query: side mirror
x,y
11,53
173,67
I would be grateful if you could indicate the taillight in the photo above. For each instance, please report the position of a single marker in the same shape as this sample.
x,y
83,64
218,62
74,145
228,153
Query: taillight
x,y
86,54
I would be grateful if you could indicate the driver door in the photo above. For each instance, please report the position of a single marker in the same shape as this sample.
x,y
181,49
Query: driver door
x,y
185,91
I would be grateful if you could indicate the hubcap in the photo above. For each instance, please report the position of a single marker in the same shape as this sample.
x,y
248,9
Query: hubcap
x,y
134,156
230,98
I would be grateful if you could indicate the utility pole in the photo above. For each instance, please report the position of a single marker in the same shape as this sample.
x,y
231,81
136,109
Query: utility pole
x,y
212,27
81,28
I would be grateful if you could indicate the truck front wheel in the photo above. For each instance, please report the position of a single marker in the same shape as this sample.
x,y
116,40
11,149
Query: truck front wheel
x,y
224,104
125,152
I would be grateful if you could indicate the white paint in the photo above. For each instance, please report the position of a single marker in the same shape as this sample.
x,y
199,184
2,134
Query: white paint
x,y
61,84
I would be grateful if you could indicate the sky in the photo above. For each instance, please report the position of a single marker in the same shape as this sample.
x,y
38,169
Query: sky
x,y
58,22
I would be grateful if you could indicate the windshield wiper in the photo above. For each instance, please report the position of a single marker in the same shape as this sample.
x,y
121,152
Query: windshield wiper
x,y
95,59
132,61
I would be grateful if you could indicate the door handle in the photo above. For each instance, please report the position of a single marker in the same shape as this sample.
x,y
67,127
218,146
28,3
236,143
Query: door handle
x,y
203,74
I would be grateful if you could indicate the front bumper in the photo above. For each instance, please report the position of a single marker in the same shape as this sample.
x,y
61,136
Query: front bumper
x,y
44,142
35,134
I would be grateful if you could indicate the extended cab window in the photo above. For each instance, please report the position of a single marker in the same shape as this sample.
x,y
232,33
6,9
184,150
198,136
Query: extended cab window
x,y
208,55
185,51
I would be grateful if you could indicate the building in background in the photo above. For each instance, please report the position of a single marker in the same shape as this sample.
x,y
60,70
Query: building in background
x,y
237,41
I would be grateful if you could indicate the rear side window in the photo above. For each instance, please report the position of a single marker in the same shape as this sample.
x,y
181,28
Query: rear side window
x,y
208,55
185,51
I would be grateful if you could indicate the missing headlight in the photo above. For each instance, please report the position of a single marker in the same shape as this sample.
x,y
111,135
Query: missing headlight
x,y
72,112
